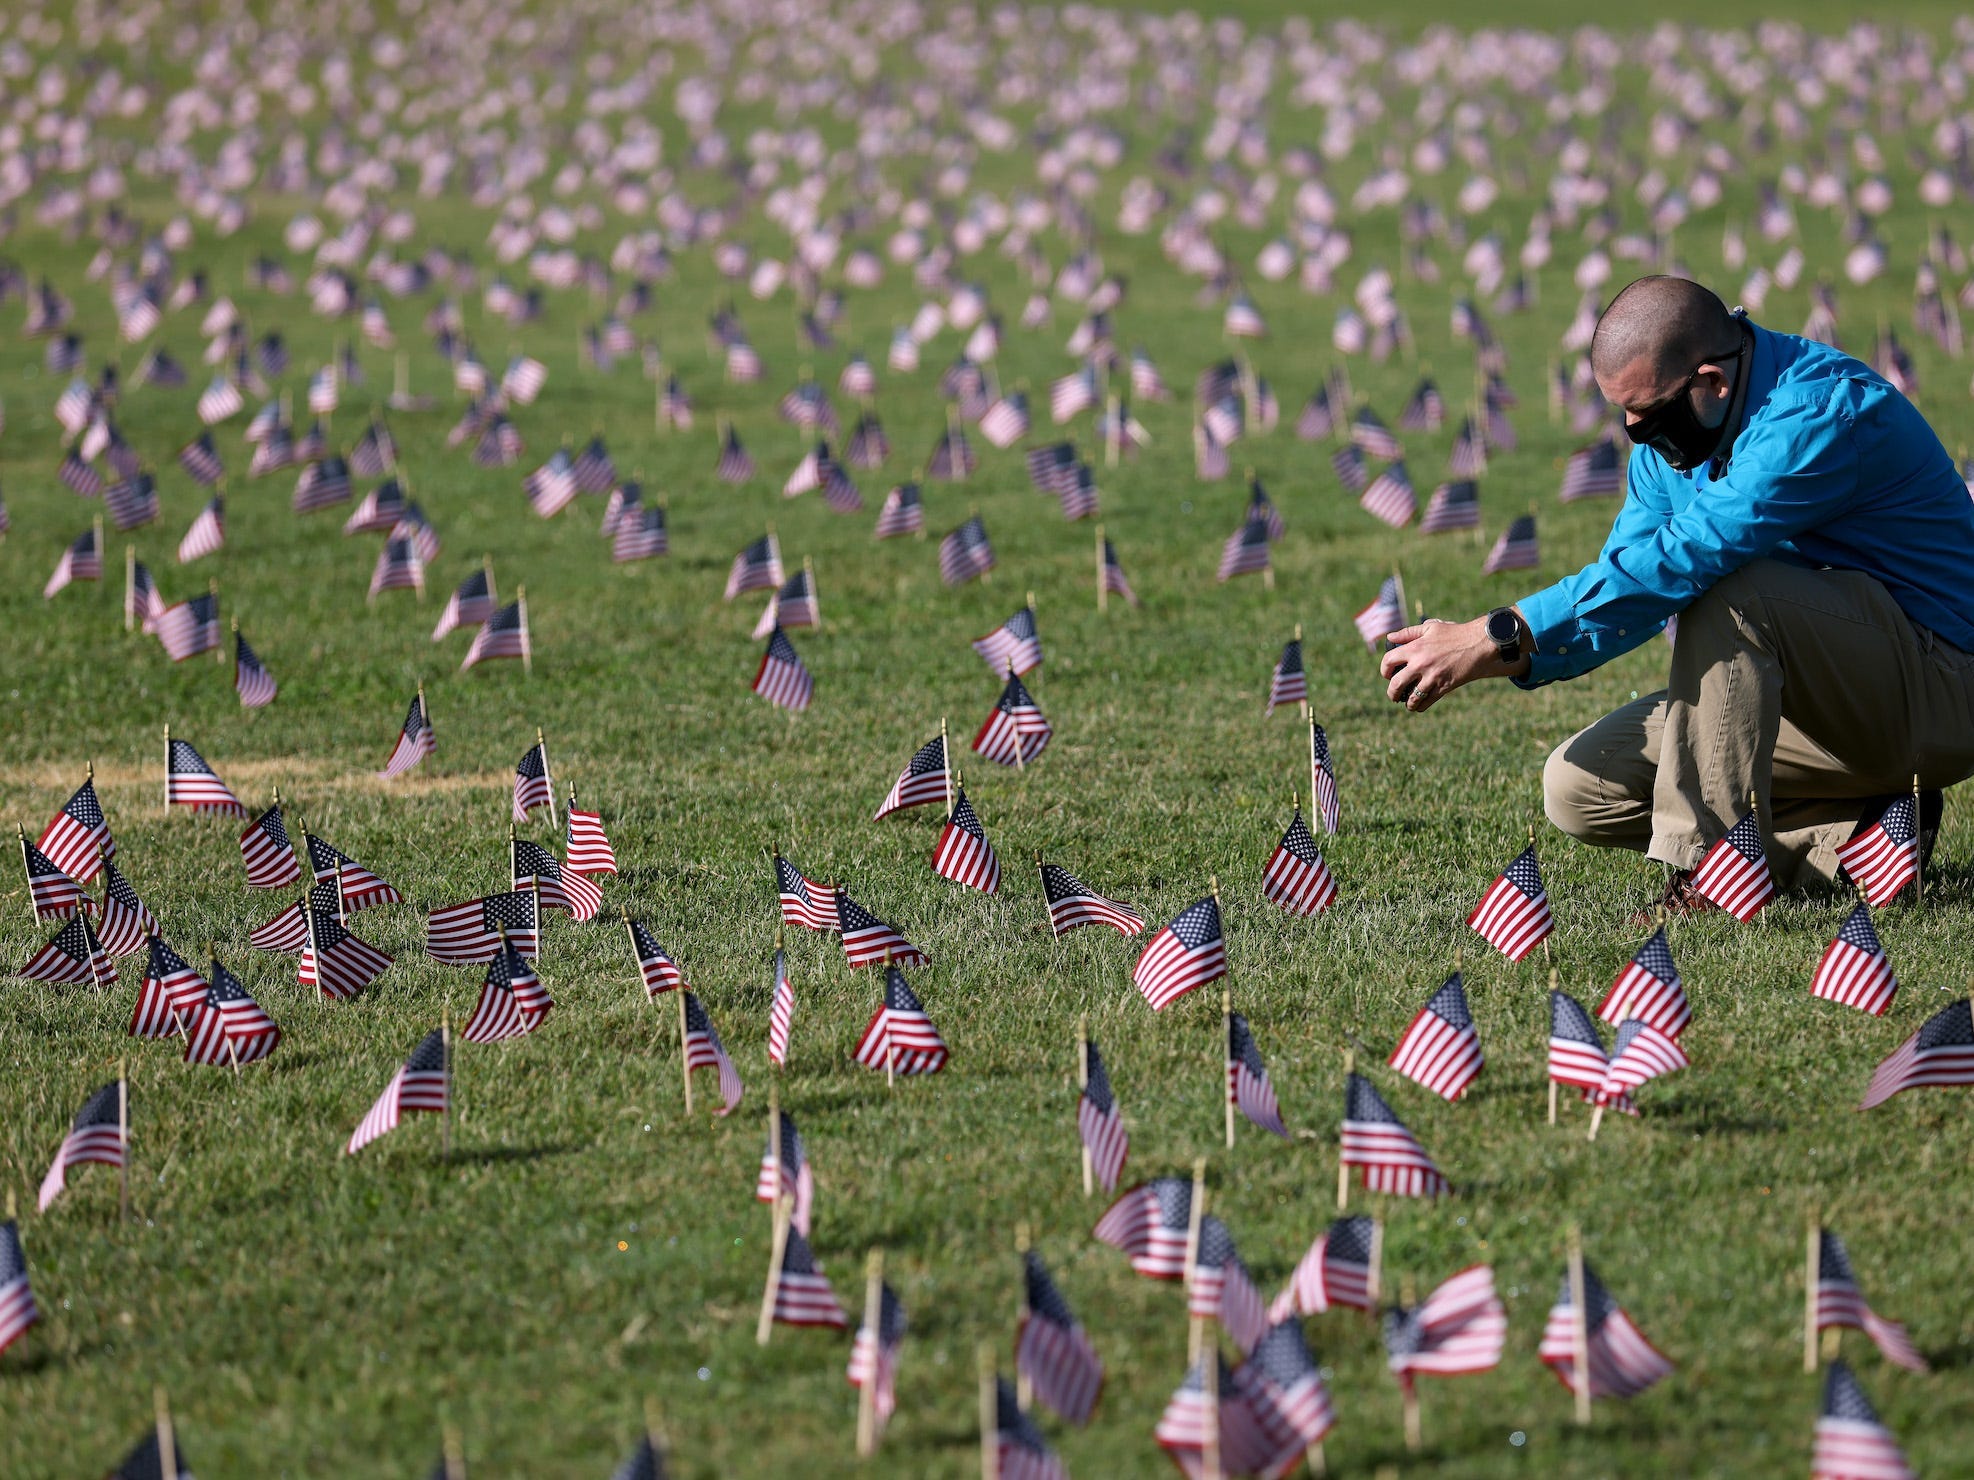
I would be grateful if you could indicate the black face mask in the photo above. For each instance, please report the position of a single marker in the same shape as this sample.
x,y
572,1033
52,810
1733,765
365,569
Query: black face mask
x,y
1674,431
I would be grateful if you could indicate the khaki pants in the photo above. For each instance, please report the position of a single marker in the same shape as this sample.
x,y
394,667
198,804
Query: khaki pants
x,y
1809,688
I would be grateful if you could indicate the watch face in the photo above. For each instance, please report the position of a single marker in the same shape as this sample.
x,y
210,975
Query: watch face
x,y
1502,628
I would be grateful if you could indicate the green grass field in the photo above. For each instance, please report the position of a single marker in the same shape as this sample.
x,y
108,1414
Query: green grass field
x,y
587,1247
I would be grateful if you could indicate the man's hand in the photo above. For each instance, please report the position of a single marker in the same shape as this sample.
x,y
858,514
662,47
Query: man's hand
x,y
1428,662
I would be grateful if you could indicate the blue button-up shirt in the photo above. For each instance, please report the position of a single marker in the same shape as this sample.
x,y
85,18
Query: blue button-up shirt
x,y
1831,467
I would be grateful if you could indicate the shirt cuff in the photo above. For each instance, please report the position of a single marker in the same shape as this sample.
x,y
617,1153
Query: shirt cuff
x,y
1552,624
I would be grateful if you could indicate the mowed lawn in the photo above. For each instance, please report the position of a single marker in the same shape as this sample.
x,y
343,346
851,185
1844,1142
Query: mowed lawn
x,y
587,1247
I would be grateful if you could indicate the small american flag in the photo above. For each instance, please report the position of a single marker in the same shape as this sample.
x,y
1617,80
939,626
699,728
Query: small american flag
x,y
1940,1053
1641,1054
923,781
1072,394
1014,645
1150,1223
1513,916
1622,1362
965,553
77,838
1592,471
1883,858
1576,1052
533,787
804,902
1425,410
1851,1444
1347,462
867,940
1114,580
1649,990
470,932
1454,505
1854,969
1073,904
207,534
126,920
1335,1272
787,1174
1186,954
251,680
1287,1392
80,477
134,501
874,1353
285,932
142,604
189,628
1385,614
1296,878
228,1027
1458,1329
415,740
1222,1289
1015,731
1287,684
360,887
1229,1422
756,568
585,843
512,1001
903,512
17,1308
899,1037
334,961
1245,552
470,605
322,484
563,889
503,635
97,1134
1006,421
1840,1302
55,895
423,1082
1262,507
1390,496
803,1296
81,561
735,465
1323,777
172,987
963,854
1516,549
594,469
1368,431
1734,874
639,535
1052,468
782,679
1099,1122
868,446
399,568
1248,1088
659,972
1441,1048
1376,1141
703,1050
190,782
1052,1350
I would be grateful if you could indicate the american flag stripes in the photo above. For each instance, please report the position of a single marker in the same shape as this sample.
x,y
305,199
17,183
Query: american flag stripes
x,y
1851,1444
1336,1271
782,679
1290,1399
1007,420
1099,1122
1287,683
703,1050
802,1293
1150,1223
1441,1048
81,561
1453,505
1186,954
1295,877
756,568
1114,580
470,932
415,740
804,902
285,932
335,962
171,989
1012,646
900,1038
251,680
1883,858
781,1011
1347,462
190,782
422,1083
1248,1089
1649,990
1052,1350
586,845
1640,1054
1513,916
55,896
142,605
1323,778
734,465
965,553
787,1174
361,888
399,568
874,1353
1222,1289
1854,968
1941,1053
1458,1329
207,533
1242,1433
924,780
133,501
963,854
1015,731
559,888
125,920
1385,614
659,972
98,1134
1592,470
1368,431
1840,1302
1734,874
228,1026
74,954
1376,1141
1622,1362
17,1308
1576,1051
512,1001
903,512
503,635
1390,496
1073,904
189,628
1245,552
469,605
322,484
1516,549
639,535
1262,507
533,785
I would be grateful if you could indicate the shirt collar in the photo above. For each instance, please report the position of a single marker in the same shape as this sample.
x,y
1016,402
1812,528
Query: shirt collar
x,y
1762,372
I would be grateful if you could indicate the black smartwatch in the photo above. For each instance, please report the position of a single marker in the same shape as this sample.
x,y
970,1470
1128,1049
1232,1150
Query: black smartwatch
x,y
1504,630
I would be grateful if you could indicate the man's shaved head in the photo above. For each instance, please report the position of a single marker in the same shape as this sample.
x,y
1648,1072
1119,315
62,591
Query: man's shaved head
x,y
1669,323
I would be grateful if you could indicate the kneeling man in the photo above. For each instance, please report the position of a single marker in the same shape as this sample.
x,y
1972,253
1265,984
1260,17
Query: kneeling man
x,y
1802,521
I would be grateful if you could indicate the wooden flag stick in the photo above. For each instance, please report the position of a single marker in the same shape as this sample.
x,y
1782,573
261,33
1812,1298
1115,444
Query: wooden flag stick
x,y
1579,1331
623,912
445,1053
685,1059
547,776
218,648
873,1334
1414,1432
1103,586
167,1441
1373,1280
774,1135
527,644
1226,1065
1193,1217
1919,848
1552,1083
167,795
1596,1119
1343,1167
1812,1266
1082,1085
784,1210
123,1140
1210,1386
990,1412
946,759
129,581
